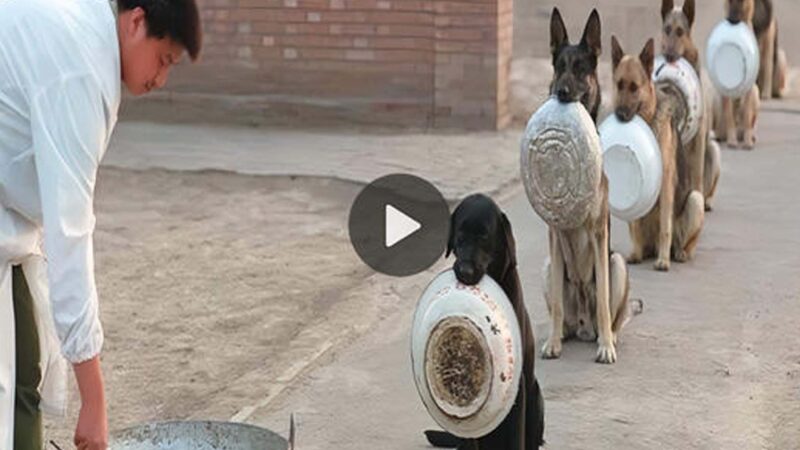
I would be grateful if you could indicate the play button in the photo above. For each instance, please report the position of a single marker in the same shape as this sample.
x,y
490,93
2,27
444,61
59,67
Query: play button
x,y
398,225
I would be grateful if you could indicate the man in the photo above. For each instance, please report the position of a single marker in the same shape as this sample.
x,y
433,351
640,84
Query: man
x,y
62,63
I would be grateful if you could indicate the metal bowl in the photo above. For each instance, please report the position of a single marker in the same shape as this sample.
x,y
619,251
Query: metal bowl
x,y
682,75
200,435
466,354
633,166
561,163
732,59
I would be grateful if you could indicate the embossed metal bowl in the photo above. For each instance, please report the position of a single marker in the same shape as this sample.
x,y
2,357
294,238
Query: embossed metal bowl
x,y
682,75
561,163
466,354
633,166
197,436
732,58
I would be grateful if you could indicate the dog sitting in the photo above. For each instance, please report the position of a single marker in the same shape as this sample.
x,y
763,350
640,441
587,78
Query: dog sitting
x,y
586,286
672,227
483,244
703,154
773,68
735,120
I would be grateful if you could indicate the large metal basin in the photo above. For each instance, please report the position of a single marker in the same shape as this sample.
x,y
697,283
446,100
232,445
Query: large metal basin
x,y
200,435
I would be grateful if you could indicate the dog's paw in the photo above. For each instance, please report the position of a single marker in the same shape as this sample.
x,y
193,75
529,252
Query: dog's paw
x,y
749,144
661,265
681,256
732,143
551,349
634,258
606,354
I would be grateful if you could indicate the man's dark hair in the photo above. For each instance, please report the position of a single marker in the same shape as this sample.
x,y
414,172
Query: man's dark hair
x,y
178,20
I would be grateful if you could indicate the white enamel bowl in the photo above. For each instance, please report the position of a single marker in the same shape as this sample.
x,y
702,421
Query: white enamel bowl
x,y
632,164
466,354
561,163
732,58
682,75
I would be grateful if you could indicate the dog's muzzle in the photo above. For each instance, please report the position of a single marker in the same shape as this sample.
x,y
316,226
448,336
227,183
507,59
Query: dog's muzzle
x,y
467,273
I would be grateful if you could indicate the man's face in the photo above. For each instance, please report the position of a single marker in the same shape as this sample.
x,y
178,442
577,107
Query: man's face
x,y
146,61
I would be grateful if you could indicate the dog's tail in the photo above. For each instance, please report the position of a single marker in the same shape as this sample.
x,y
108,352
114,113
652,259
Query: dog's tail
x,y
443,439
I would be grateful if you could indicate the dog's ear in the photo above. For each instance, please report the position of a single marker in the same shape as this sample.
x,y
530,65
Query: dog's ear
x,y
558,33
647,57
451,235
511,243
591,34
616,52
666,7
688,10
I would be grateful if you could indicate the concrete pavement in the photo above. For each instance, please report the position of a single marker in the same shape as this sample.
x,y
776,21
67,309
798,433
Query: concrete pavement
x,y
713,362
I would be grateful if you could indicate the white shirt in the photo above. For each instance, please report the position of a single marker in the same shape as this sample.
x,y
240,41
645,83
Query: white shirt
x,y
59,96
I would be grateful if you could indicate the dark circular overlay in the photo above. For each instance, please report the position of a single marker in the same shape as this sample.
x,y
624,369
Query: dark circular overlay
x,y
417,199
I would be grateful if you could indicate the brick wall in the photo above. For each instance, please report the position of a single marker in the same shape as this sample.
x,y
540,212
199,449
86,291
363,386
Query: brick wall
x,y
419,63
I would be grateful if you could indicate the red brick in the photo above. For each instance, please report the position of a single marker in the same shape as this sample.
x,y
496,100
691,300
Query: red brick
x,y
344,17
314,41
401,43
268,15
461,34
406,30
409,18
471,20
260,3
444,7
354,29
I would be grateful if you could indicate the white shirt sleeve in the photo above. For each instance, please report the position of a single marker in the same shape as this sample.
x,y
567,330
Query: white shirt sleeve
x,y
69,120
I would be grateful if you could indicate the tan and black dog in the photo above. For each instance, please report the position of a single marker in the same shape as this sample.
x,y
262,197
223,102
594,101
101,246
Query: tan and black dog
x,y
773,69
586,285
672,227
737,119
702,153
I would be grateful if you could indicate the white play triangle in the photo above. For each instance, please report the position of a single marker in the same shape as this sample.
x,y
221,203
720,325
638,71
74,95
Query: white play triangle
x,y
398,226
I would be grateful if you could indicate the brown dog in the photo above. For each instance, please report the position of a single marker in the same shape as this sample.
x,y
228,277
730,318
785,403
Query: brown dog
x,y
772,71
703,154
674,224
586,285
738,116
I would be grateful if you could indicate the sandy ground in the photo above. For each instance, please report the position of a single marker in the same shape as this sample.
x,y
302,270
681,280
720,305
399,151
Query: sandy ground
x,y
208,277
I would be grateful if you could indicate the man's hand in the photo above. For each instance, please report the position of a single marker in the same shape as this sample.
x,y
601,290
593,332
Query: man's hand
x,y
91,433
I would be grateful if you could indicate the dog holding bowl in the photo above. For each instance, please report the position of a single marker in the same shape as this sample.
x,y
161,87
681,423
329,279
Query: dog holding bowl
x,y
703,153
473,349
586,285
732,59
672,227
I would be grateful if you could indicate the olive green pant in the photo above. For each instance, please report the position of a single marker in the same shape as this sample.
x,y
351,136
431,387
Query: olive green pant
x,y
27,415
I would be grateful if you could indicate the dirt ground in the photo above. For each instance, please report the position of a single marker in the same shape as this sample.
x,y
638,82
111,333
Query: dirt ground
x,y
207,277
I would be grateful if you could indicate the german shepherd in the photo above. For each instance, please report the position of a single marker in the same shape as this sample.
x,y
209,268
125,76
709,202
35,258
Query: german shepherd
x,y
772,71
673,226
586,285
575,66
703,153
738,118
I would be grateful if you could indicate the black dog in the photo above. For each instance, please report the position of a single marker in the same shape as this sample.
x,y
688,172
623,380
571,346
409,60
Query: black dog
x,y
575,66
482,241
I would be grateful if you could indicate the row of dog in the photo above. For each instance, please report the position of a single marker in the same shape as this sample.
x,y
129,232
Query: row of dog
x,y
587,284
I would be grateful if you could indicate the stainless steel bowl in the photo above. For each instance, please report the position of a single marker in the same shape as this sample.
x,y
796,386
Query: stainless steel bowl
x,y
201,435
